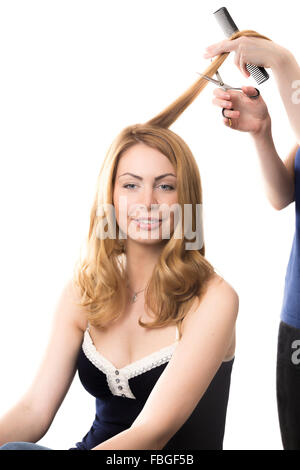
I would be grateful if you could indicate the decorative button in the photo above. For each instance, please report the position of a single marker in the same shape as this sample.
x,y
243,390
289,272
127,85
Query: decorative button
x,y
117,380
120,387
123,395
117,372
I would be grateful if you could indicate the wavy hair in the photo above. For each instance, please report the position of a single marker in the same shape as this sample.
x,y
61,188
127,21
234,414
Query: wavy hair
x,y
180,276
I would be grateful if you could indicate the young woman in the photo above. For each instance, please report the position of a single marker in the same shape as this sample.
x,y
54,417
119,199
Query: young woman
x,y
146,321
149,383
282,184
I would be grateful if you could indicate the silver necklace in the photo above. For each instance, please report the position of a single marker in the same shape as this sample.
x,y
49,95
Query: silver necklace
x,y
133,298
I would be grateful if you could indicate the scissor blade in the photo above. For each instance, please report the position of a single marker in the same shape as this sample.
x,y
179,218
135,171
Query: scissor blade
x,y
219,77
216,82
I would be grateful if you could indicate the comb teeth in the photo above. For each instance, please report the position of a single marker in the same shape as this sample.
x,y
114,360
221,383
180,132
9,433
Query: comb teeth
x,y
258,73
229,27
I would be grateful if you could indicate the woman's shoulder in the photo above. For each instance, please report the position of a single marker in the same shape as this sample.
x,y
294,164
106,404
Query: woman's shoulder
x,y
216,294
217,283
218,303
219,296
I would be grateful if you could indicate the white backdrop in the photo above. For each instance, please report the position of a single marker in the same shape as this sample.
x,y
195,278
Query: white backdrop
x,y
73,74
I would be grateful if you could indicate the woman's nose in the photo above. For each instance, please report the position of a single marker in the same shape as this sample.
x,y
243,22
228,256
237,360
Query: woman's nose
x,y
148,197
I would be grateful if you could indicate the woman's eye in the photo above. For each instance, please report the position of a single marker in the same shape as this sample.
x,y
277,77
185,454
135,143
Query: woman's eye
x,y
168,185
129,184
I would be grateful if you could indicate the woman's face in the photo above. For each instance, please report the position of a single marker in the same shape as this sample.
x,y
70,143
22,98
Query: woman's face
x,y
145,187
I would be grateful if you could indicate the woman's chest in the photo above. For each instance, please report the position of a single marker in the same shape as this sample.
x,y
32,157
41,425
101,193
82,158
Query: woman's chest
x,y
125,341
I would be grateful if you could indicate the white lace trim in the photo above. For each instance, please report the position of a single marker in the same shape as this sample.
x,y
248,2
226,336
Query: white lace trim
x,y
117,379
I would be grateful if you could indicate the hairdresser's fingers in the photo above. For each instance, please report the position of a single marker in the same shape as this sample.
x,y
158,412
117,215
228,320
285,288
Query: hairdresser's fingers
x,y
222,103
241,63
223,46
232,123
238,61
242,66
250,91
220,93
231,114
226,122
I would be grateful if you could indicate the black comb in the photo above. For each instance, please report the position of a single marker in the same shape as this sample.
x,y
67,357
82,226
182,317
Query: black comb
x,y
229,27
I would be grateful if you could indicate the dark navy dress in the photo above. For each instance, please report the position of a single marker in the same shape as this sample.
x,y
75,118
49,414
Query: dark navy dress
x,y
121,394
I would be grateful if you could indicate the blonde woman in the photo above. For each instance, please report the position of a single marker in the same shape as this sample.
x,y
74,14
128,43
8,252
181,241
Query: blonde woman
x,y
282,184
146,321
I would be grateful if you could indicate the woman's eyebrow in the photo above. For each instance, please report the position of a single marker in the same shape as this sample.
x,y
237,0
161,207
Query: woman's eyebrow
x,y
156,178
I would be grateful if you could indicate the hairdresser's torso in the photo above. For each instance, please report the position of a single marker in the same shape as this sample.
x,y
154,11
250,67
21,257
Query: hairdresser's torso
x,y
125,341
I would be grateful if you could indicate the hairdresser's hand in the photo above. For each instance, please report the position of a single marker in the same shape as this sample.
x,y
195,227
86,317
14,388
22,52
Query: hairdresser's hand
x,y
249,115
249,50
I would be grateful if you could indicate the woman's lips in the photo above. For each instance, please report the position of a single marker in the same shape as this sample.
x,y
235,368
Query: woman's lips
x,y
148,224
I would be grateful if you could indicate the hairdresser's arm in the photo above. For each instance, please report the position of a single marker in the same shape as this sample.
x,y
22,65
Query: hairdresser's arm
x,y
278,176
286,72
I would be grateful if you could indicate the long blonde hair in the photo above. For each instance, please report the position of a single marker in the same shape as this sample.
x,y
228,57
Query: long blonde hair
x,y
180,276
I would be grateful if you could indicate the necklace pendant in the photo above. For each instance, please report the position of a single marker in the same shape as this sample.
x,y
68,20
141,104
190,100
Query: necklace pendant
x,y
134,298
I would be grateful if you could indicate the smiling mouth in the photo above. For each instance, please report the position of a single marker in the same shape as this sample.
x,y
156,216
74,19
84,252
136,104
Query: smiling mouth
x,y
148,221
148,224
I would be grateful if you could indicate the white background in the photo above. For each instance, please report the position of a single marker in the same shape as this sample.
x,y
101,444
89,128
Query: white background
x,y
73,74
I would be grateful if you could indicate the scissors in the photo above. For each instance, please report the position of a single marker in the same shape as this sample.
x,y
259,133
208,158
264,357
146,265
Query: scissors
x,y
226,87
